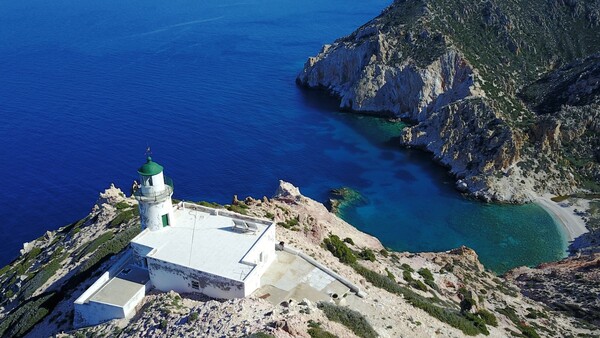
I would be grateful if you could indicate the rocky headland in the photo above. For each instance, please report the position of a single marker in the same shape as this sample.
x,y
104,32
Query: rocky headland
x,y
503,93
446,294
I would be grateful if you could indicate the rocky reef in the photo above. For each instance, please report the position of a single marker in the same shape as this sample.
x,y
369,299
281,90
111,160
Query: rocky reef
x,y
458,70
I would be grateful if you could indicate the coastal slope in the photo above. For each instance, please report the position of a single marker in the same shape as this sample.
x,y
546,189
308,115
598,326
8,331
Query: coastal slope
x,y
446,294
476,79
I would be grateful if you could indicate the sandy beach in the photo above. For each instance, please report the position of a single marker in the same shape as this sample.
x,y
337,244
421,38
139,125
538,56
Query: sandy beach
x,y
565,213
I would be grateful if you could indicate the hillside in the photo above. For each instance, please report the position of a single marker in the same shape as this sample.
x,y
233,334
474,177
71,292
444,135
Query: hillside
x,y
499,91
448,294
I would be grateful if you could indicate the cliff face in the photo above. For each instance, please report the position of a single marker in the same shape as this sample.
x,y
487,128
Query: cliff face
x,y
455,70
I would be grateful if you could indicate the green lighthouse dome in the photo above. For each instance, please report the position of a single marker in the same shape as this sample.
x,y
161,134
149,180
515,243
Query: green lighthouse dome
x,y
150,168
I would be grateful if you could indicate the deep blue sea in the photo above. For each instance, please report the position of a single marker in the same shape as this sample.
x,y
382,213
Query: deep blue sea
x,y
86,86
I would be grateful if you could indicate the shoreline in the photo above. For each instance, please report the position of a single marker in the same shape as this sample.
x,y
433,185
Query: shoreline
x,y
573,224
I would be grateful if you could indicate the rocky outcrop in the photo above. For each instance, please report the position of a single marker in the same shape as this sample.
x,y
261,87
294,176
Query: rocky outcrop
x,y
569,286
454,69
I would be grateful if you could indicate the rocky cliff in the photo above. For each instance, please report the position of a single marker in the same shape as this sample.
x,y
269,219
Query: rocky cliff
x,y
447,294
456,70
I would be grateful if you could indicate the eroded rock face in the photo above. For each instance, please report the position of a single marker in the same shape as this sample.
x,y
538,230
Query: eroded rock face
x,y
418,60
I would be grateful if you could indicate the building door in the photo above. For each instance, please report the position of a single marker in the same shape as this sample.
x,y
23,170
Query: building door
x,y
165,220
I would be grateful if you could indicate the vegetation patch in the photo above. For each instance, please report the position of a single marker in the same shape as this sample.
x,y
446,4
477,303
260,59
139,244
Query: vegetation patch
x,y
468,326
93,245
339,249
112,246
210,204
260,335
488,317
428,278
124,216
240,208
315,331
351,319
21,319
367,254
289,223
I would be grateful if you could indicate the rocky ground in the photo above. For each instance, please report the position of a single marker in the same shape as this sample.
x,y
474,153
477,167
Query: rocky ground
x,y
420,284
490,87
570,286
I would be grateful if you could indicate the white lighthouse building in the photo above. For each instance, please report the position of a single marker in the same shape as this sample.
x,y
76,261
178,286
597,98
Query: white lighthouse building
x,y
154,196
187,248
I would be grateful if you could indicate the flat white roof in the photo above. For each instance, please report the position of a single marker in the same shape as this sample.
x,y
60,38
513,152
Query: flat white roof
x,y
204,241
120,289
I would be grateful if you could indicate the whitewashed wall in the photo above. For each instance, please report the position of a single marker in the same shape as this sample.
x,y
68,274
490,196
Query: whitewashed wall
x,y
266,246
167,276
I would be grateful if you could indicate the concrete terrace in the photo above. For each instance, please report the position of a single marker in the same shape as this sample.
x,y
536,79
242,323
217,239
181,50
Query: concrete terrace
x,y
204,239
291,277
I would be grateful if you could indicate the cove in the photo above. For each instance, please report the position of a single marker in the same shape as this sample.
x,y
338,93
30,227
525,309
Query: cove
x,y
209,85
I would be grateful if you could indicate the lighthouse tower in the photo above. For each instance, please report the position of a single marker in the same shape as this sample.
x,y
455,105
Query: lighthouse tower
x,y
154,196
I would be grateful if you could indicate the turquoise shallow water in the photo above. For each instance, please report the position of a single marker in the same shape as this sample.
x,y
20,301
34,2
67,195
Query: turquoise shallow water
x,y
86,86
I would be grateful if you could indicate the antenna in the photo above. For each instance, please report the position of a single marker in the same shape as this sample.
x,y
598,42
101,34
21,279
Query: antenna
x,y
148,151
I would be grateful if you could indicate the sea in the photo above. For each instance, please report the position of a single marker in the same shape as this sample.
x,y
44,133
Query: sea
x,y
209,85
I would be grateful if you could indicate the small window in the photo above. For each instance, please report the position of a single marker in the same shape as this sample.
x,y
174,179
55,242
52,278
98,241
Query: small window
x,y
262,259
147,180
195,285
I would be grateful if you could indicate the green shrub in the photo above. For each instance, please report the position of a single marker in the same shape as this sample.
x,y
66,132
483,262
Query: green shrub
x,y
466,304
426,274
351,319
390,275
25,316
488,317
289,223
260,335
349,240
384,252
239,208
407,276
407,267
194,316
478,322
124,216
210,204
367,254
339,249
163,324
417,284
40,277
317,332
93,245
269,215
122,205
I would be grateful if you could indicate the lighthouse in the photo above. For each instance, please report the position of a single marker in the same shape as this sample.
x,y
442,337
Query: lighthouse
x,y
154,197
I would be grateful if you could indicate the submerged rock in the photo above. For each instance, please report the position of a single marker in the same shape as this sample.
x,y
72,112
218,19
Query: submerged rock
x,y
344,197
